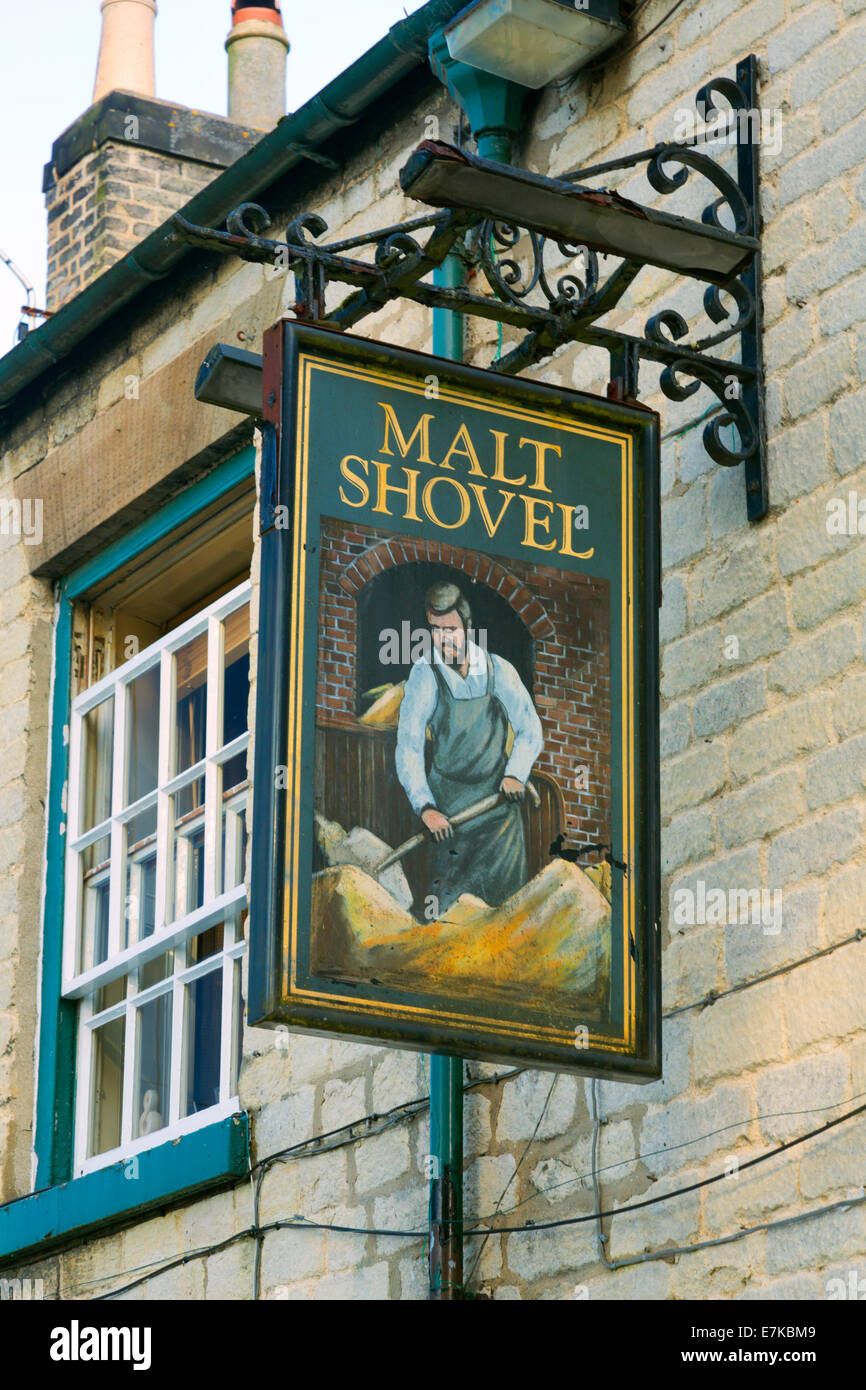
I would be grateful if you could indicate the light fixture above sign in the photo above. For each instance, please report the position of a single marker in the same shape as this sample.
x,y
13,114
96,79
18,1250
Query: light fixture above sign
x,y
533,42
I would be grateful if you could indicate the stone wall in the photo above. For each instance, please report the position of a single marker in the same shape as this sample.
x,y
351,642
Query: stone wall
x,y
764,762
105,205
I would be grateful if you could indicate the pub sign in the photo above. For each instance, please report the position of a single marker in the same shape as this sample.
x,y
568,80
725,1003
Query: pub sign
x,y
455,801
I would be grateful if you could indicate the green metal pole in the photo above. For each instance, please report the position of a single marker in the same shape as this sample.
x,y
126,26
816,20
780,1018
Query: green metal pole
x,y
446,1073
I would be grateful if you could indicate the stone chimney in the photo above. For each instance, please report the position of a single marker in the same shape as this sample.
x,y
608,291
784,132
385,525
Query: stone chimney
x,y
257,48
126,48
130,160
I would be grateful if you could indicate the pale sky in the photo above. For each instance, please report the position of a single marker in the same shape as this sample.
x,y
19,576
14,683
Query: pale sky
x,y
47,66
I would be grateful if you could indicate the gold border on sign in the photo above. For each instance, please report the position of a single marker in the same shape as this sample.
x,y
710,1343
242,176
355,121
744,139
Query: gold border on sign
x,y
307,364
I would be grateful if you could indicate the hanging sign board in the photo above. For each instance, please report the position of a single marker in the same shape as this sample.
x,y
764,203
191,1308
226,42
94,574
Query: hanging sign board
x,y
455,805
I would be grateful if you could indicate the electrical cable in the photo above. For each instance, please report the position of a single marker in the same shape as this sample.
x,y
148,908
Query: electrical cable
x,y
298,1223
679,1191
714,995
698,1139
622,52
601,1238
527,1146
672,1148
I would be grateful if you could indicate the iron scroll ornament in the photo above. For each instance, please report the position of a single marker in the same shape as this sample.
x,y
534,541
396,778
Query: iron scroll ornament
x,y
549,310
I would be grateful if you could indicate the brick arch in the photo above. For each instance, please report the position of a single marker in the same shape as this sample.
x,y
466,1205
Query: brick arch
x,y
388,554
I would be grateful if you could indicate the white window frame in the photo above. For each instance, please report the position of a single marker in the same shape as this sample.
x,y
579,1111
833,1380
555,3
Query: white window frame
x,y
168,935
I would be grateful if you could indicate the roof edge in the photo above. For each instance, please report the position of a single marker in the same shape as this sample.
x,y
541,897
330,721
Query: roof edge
x,y
340,103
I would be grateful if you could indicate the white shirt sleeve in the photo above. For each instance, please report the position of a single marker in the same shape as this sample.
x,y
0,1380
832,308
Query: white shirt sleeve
x,y
522,716
416,710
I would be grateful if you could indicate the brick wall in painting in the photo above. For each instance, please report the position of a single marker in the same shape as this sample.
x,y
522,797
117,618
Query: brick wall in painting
x,y
566,615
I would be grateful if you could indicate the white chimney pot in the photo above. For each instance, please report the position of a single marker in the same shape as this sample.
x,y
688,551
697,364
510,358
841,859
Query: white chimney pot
x,y
126,48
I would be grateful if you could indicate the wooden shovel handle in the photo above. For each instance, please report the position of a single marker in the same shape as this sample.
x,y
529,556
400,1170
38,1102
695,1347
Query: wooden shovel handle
x,y
470,813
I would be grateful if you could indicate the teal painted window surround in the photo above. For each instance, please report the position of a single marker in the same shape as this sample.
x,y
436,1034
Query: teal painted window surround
x,y
171,1167
206,1158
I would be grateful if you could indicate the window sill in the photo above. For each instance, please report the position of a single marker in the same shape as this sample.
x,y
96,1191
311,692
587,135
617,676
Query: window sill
x,y
31,1225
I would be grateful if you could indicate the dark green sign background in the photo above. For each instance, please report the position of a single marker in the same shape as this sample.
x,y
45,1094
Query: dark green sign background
x,y
425,448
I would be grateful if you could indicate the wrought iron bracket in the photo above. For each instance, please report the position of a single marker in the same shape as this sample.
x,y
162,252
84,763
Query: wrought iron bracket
x,y
552,309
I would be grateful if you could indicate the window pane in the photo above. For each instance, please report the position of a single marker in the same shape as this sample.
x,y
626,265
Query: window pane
x,y
107,1091
156,970
202,1043
142,745
95,863
140,903
188,848
191,677
110,994
234,773
152,1066
97,750
236,678
234,842
207,944
238,1030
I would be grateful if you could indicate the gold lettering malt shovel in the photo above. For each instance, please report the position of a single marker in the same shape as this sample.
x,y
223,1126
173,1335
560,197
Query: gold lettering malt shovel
x,y
471,813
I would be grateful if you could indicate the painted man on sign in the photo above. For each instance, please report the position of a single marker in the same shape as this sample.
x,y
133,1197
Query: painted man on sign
x,y
467,699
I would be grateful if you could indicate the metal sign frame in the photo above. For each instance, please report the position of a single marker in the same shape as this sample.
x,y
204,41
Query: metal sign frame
x,y
282,987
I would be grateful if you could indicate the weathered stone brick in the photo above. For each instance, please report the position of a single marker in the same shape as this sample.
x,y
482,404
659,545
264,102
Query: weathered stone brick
x,y
819,380
687,837
824,999
845,895
693,778
836,585
849,706
728,703
691,662
651,1281
380,1160
837,774
790,1097
672,1223
722,581
767,805
282,1123
229,1274
812,847
759,629
848,431
343,1103
322,1180
684,526
814,659
672,1136
672,614
789,341
674,730
800,727
522,1102
812,1245
395,1080
823,165
738,1033
814,75
798,460
531,1257
846,102
693,967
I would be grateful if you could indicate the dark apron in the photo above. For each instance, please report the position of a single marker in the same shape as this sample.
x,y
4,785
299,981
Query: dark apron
x,y
487,856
